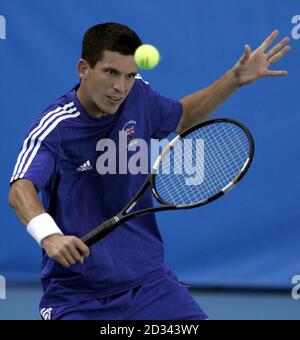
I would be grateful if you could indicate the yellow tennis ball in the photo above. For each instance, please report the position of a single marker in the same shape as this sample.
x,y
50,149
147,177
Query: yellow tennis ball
x,y
147,57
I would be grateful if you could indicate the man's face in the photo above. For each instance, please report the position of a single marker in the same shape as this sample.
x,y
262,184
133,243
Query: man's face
x,y
109,82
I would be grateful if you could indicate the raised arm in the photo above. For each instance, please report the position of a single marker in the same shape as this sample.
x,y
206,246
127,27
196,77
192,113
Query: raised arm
x,y
251,67
66,250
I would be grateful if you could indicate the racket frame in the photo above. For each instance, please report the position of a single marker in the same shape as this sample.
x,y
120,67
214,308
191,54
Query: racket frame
x,y
229,186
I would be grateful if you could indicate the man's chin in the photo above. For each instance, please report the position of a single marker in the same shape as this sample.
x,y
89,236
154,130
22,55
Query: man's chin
x,y
105,112
110,112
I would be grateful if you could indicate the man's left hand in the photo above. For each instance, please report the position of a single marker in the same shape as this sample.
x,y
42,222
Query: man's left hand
x,y
255,65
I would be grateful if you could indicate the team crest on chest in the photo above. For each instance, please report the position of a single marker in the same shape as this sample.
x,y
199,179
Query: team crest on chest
x,y
130,129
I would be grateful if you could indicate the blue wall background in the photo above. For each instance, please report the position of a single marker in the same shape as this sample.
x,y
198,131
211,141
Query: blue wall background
x,y
250,238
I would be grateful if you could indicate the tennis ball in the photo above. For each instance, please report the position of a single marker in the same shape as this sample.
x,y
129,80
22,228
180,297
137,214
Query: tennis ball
x,y
147,57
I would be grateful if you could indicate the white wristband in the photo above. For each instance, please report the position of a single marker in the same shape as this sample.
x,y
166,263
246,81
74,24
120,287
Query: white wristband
x,y
41,227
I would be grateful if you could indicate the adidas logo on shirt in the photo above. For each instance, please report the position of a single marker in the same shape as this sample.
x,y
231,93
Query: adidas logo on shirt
x,y
85,167
46,313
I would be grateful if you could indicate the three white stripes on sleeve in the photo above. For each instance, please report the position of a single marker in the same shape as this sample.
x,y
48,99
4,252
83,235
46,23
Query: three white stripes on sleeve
x,y
47,124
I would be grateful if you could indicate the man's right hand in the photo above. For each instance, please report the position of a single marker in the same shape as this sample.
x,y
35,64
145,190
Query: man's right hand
x,y
66,250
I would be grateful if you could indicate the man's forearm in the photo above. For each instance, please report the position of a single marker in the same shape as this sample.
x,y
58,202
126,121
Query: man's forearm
x,y
199,105
23,198
66,250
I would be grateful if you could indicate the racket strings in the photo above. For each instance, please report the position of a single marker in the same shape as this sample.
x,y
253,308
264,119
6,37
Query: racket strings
x,y
232,149
211,158
222,170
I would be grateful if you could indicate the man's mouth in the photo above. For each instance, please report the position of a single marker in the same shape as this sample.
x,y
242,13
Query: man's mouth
x,y
115,100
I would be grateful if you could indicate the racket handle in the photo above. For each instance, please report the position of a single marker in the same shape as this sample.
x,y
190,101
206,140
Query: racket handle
x,y
101,231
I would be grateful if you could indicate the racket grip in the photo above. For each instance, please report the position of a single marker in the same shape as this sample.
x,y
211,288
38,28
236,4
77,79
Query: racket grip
x,y
101,231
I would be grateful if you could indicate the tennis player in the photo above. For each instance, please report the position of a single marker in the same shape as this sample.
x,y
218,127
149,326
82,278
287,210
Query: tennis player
x,y
123,276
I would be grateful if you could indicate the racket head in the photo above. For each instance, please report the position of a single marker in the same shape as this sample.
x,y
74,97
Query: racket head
x,y
226,154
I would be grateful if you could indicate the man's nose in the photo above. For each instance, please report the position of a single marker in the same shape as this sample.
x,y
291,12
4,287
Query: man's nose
x,y
120,85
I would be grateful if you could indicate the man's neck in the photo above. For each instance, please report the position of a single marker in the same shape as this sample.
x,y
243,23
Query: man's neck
x,y
89,107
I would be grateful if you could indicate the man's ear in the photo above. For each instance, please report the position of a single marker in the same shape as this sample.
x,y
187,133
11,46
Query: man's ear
x,y
83,69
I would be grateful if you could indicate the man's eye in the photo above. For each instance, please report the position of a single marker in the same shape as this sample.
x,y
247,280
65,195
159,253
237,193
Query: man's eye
x,y
131,76
111,73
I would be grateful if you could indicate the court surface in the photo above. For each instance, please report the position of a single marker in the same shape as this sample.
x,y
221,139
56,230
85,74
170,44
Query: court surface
x,y
22,303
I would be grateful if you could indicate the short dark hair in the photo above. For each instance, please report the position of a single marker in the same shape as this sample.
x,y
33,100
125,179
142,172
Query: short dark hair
x,y
108,37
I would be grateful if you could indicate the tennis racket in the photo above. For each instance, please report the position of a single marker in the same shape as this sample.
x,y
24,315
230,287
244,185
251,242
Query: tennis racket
x,y
196,168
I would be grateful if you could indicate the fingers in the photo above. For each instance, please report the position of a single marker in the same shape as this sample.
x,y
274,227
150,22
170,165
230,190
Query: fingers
x,y
63,257
66,250
269,41
64,263
246,56
76,256
276,53
276,57
76,251
278,48
67,255
277,73
82,248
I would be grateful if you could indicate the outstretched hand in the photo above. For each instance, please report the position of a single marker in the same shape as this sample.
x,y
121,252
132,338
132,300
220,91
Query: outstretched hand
x,y
255,65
